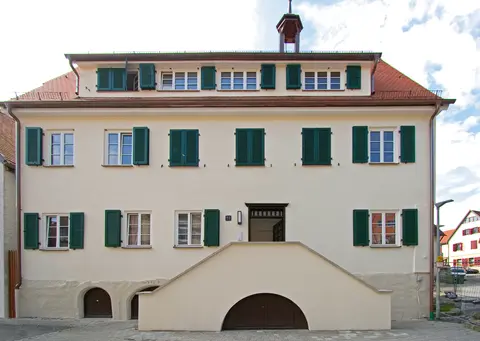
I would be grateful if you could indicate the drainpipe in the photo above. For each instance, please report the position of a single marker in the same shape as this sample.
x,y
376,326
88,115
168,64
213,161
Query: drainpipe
x,y
432,136
19,197
77,83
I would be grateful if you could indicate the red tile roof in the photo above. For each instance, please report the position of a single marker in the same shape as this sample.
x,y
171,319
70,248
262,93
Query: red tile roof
x,y
59,88
447,236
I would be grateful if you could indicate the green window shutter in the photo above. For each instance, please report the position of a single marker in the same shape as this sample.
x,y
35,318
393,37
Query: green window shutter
x,y
360,144
190,147
208,81
113,227
30,231
241,147
147,76
103,79
268,72
176,147
212,228
257,147
294,78
118,79
410,226
33,146
308,146
407,144
77,222
316,146
354,77
141,146
360,228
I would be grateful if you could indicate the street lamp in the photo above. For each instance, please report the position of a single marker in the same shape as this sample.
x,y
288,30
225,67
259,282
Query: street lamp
x,y
438,205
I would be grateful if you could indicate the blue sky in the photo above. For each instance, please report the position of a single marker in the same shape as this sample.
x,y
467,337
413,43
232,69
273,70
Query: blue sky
x,y
435,42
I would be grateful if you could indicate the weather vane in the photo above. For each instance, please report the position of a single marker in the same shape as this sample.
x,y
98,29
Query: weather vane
x,y
290,6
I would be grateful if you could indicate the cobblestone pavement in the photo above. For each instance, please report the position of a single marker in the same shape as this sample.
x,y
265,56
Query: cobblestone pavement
x,y
101,330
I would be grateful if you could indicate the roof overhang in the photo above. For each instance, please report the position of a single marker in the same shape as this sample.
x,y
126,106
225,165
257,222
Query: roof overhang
x,y
230,56
229,102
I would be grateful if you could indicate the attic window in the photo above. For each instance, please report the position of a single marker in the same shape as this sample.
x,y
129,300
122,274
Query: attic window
x,y
322,80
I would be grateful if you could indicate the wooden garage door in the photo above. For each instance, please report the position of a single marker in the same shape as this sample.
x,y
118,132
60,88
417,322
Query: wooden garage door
x,y
97,303
265,311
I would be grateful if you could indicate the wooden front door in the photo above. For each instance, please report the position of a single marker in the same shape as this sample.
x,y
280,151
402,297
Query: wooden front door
x,y
265,311
97,303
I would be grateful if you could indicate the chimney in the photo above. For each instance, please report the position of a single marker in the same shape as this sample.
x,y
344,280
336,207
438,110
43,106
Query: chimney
x,y
289,28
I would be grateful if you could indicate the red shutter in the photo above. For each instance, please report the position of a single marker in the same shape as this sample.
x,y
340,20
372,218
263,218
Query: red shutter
x,y
474,244
477,260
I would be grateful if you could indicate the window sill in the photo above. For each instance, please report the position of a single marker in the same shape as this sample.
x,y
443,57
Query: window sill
x,y
54,249
375,246
188,246
316,164
238,90
249,165
173,90
59,166
324,90
137,247
384,163
180,166
118,90
119,166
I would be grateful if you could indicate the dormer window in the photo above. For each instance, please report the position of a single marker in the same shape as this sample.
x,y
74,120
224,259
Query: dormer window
x,y
179,80
238,80
322,80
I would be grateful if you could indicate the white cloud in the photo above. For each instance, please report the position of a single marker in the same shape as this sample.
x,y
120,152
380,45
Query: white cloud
x,y
441,36
377,25
35,34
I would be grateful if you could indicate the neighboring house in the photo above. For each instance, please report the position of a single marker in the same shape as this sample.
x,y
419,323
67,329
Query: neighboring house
x,y
268,190
8,239
461,246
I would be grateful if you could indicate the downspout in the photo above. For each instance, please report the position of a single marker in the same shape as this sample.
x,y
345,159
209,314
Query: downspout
x,y
19,197
432,137
77,83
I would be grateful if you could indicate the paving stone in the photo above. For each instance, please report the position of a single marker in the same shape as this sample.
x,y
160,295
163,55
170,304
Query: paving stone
x,y
105,330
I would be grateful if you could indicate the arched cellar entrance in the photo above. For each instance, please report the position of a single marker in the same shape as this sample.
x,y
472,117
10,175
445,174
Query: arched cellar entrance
x,y
265,311
134,303
97,304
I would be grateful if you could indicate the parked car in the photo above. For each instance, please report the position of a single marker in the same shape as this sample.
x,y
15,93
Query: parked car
x,y
472,271
454,275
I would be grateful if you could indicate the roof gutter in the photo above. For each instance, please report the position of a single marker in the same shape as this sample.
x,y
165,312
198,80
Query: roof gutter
x,y
432,137
77,83
18,196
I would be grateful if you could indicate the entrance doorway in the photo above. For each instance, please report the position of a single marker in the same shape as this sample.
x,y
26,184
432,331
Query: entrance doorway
x,y
266,222
97,304
134,303
265,311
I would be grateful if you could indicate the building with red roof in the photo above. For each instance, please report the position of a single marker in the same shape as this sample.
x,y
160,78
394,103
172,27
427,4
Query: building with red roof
x,y
246,183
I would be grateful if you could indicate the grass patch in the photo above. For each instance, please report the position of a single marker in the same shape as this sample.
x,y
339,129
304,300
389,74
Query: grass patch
x,y
447,307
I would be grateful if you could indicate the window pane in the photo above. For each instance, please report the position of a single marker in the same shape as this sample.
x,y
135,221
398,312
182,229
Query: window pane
x,y
126,159
192,81
113,149
63,221
56,149
68,138
112,138
180,81
52,231
374,157
145,229
238,80
375,136
127,139
196,228
182,232
388,136
388,146
56,160
309,80
132,229
226,80
335,80
387,157
68,160
167,81
113,159
68,149
126,149
56,138
251,80
375,146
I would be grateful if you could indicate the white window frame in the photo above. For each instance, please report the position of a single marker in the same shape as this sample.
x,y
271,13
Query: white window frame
x,y
244,72
44,235
396,144
126,230
119,155
398,229
189,241
49,153
173,73
329,80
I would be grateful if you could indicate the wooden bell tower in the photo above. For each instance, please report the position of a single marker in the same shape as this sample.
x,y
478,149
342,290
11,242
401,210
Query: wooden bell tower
x,y
289,28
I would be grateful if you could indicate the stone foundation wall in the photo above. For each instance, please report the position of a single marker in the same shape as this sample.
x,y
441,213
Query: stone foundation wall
x,y
410,296
64,299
